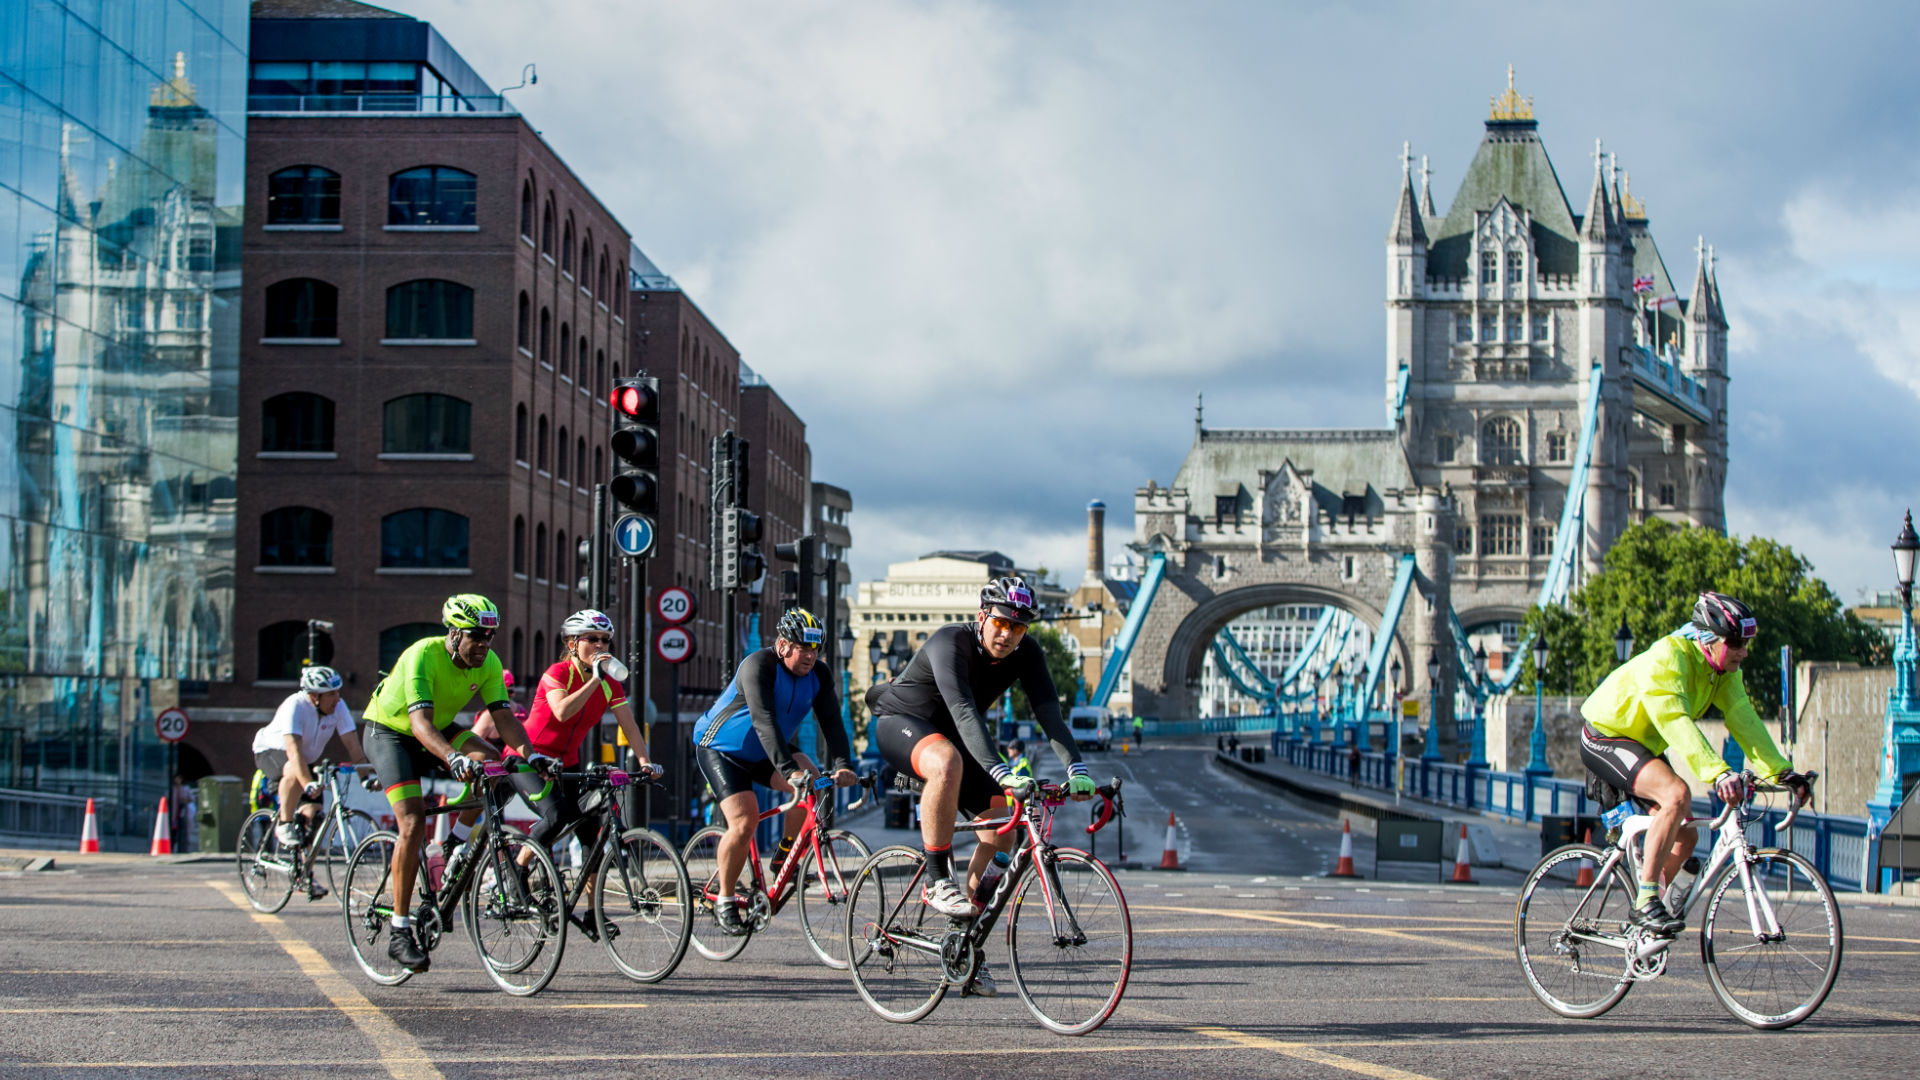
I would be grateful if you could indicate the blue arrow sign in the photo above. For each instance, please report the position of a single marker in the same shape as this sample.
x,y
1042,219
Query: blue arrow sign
x,y
633,534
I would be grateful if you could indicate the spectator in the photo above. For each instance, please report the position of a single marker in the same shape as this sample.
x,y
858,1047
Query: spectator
x,y
1353,765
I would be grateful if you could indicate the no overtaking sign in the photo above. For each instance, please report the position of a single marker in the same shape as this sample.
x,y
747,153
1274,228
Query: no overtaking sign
x,y
674,644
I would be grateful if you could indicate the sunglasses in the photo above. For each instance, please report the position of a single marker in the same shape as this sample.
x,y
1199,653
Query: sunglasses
x,y
478,635
1004,623
596,639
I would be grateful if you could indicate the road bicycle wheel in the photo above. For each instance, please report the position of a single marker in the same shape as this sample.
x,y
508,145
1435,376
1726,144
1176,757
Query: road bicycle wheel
x,y
640,906
1070,952
516,915
824,886
702,859
330,853
367,889
1555,924
1766,980
266,872
884,911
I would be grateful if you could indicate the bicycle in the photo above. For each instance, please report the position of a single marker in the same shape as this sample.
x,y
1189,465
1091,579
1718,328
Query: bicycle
x,y
1772,971
1070,967
640,886
817,871
270,871
506,887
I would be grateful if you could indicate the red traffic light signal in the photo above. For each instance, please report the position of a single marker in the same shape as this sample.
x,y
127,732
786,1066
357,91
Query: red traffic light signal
x,y
634,399
636,444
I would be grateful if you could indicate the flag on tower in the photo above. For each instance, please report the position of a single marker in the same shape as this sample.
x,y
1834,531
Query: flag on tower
x,y
1643,283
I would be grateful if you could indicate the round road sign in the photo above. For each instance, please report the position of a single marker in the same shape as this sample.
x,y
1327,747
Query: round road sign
x,y
633,535
171,724
674,645
674,605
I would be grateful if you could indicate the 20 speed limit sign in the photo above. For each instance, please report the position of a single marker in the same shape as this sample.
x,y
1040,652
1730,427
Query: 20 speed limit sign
x,y
674,645
171,725
674,605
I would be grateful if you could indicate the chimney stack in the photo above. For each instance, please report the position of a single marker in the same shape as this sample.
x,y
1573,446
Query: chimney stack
x,y
1096,539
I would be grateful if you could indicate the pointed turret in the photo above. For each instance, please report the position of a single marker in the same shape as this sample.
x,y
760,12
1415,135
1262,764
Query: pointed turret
x,y
1700,300
1598,226
1426,191
1408,228
1713,290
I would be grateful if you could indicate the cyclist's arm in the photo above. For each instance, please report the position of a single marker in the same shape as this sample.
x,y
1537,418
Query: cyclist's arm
x,y
563,704
1669,715
1037,681
355,755
636,739
826,711
1744,724
950,677
296,758
420,726
756,679
511,730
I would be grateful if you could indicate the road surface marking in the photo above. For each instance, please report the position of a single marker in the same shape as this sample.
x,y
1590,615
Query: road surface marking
x,y
1303,1052
397,1052
1373,931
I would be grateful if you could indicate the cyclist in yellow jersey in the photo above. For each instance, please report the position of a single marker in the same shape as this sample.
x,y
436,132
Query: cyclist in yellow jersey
x,y
1649,706
411,735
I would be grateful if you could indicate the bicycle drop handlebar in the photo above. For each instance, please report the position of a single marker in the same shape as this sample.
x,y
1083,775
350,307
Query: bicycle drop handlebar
x,y
1754,786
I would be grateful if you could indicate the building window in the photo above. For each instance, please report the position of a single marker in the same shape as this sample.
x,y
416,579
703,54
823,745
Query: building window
x,y
283,645
1443,448
526,209
540,444
518,655
395,640
431,195
1556,446
566,335
1543,538
560,557
580,462
561,455
1633,491
599,467
1463,539
523,324
303,195
586,261
1500,534
600,372
546,230
1666,495
302,308
1489,326
423,539
1541,323
1516,269
296,536
540,649
566,247
520,545
1463,328
580,370
540,552
1500,442
1516,327
1224,507
296,422
619,294
520,433
427,424
430,310
1489,268
601,289
545,352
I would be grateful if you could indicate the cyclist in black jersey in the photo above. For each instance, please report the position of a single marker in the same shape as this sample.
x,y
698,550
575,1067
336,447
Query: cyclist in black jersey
x,y
936,706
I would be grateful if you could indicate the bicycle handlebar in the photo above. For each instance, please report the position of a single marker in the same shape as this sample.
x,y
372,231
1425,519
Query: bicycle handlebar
x,y
1754,786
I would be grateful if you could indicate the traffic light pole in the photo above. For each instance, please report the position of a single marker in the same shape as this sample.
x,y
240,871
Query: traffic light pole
x,y
635,812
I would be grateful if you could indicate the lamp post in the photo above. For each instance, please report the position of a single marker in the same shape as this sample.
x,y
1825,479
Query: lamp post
x,y
1432,752
1537,761
1393,682
846,641
1362,714
1622,642
1898,754
1477,757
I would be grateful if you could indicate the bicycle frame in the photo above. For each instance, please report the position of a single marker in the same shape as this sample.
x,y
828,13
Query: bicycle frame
x,y
610,829
303,856
808,838
492,803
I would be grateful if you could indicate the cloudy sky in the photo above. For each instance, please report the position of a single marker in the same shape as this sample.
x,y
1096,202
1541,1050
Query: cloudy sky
x,y
991,252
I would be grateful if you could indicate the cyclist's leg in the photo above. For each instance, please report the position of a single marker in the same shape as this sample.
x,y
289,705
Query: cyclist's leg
x,y
1669,842
273,763
732,782
477,748
401,763
981,799
798,814
549,799
921,748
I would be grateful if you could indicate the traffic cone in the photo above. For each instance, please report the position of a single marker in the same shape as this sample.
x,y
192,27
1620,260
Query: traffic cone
x,y
1170,858
90,831
1462,864
162,832
1344,868
1585,877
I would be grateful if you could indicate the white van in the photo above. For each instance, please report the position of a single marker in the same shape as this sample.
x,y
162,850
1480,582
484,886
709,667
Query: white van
x,y
1092,727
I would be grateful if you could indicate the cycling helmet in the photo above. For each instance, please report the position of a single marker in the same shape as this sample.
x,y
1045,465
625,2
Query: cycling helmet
x,y
586,622
800,627
470,611
319,680
1009,596
1725,618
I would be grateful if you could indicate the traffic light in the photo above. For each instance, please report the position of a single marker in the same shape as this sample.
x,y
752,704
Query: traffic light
x,y
636,445
801,552
740,563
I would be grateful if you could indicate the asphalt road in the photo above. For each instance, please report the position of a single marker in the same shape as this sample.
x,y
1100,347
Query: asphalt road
x,y
1243,967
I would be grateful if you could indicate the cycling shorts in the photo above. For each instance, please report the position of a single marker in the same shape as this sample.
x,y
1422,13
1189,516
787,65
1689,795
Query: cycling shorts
x,y
902,739
1615,760
728,775
274,764
558,804
401,762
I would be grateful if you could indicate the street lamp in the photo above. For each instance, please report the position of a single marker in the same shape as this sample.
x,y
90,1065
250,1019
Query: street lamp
x,y
1362,715
1905,650
1393,681
1432,752
1537,761
1622,641
1477,757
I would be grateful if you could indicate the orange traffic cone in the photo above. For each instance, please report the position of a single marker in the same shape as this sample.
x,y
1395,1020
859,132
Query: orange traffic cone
x,y
1462,864
162,832
1170,858
1585,877
1344,868
90,831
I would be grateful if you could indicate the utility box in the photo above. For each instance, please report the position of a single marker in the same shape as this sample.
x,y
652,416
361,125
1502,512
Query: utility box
x,y
1557,830
223,806
1399,840
899,812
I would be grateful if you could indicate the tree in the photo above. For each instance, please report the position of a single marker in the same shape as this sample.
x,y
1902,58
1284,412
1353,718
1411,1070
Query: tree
x,y
1652,576
1061,665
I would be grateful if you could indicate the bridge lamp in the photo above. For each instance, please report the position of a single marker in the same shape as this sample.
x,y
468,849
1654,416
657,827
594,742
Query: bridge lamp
x,y
1393,676
1540,656
1480,664
874,648
1622,642
1433,666
1904,550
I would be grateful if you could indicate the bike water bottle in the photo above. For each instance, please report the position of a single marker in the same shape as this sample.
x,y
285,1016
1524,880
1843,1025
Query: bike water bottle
x,y
990,880
1681,887
436,864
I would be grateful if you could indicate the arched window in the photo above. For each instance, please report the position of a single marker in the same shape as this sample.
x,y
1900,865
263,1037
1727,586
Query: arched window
x,y
431,195
540,552
526,209
546,229
427,424
566,335
599,467
282,647
545,352
296,422
423,539
581,368
540,444
580,462
586,260
539,649
1489,268
395,640
303,195
430,309
560,458
520,433
302,308
600,373
296,536
523,324
1500,442
566,247
560,558
519,545
518,655
620,290
1516,269
601,290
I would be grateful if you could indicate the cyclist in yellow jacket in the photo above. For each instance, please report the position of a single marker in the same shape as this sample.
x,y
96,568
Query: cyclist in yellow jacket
x,y
1650,706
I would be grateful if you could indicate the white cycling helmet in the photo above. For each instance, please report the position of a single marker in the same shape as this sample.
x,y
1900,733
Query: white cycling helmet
x,y
586,622
319,680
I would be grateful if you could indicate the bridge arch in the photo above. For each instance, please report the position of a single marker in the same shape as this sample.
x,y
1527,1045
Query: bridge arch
x,y
1193,635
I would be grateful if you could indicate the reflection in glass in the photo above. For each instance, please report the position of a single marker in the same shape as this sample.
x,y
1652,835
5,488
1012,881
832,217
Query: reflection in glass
x,y
296,536
302,308
423,539
282,650
296,422
427,424
303,195
430,309
434,195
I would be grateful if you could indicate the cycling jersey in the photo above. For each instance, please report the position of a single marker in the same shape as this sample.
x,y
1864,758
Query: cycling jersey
x,y
951,677
297,716
426,675
547,733
761,709
1656,699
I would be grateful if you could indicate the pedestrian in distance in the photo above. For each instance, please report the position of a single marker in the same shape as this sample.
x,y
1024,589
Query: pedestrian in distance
x,y
1139,733
1353,765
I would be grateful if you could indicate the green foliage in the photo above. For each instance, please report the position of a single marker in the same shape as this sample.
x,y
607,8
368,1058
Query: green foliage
x,y
1652,576
1061,665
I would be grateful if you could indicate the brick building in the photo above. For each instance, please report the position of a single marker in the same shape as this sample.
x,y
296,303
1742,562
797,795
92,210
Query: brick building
x,y
779,483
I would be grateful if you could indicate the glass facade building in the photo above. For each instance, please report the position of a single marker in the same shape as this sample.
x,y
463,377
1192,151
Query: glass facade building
x,y
122,127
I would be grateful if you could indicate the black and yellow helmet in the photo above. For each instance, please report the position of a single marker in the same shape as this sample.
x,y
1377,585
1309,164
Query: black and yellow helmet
x,y
470,611
800,627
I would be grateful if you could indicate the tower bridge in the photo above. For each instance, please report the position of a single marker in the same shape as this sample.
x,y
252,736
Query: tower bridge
x,y
1545,387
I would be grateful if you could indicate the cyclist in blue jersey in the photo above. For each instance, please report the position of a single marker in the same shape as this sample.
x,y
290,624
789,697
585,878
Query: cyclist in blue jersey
x,y
746,738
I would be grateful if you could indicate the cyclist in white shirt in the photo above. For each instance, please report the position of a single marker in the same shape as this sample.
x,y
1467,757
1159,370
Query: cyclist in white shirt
x,y
298,735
